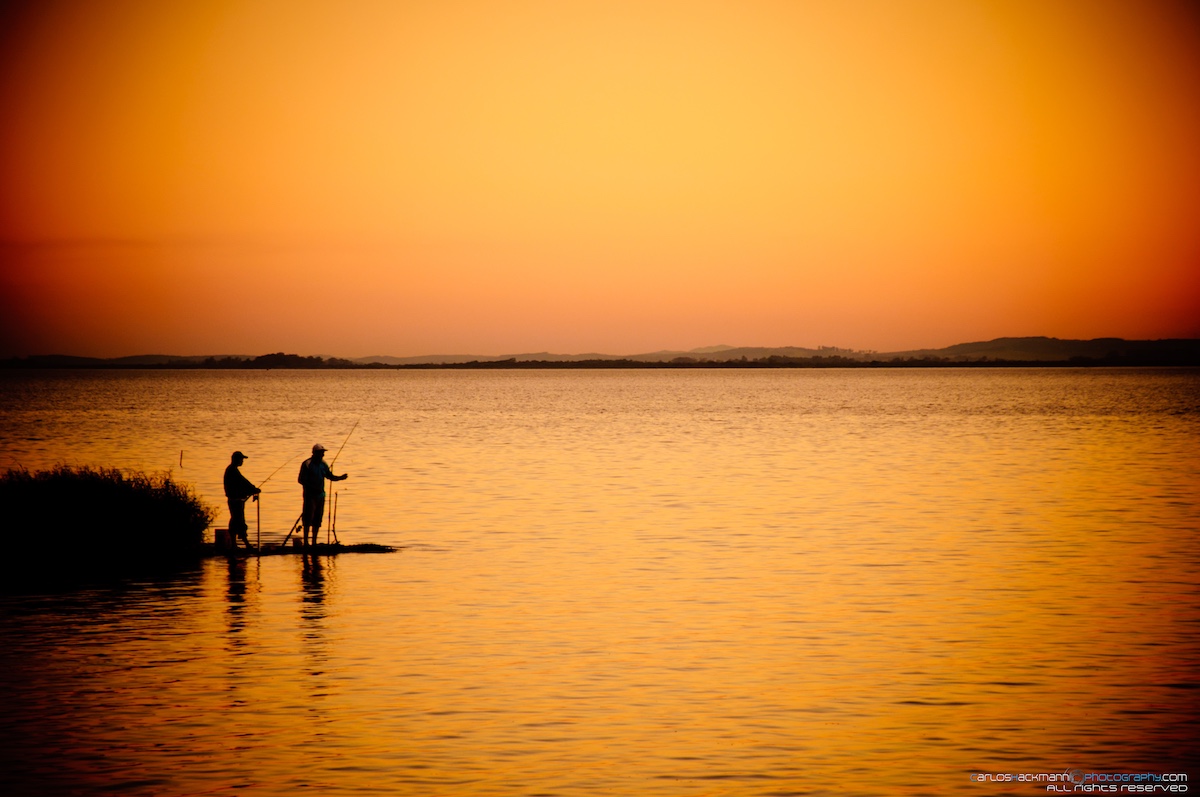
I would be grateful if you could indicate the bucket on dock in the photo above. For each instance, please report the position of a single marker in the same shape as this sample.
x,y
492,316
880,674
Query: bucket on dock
x,y
221,539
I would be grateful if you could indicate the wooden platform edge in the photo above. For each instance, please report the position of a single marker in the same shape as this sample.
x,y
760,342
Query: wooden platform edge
x,y
323,549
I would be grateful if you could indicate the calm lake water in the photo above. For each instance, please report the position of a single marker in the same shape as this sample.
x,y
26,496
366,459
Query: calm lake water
x,y
628,583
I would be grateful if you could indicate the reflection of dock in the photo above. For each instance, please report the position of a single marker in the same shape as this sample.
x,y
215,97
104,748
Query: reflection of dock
x,y
321,549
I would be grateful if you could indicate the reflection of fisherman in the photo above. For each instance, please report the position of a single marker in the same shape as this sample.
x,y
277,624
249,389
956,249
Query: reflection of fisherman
x,y
237,489
313,473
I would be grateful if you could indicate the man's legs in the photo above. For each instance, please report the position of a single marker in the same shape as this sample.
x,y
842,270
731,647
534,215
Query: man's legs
x,y
237,522
314,507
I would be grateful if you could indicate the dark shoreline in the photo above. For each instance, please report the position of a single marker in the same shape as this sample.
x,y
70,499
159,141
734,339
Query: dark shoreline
x,y
211,551
813,363
1187,360
1029,352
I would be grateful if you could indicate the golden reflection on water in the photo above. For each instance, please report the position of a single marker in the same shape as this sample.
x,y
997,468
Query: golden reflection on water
x,y
683,584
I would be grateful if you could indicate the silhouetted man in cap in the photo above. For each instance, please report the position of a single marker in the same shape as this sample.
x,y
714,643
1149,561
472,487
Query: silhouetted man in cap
x,y
313,473
237,489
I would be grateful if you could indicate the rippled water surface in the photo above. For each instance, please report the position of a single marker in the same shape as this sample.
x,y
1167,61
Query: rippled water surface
x,y
628,583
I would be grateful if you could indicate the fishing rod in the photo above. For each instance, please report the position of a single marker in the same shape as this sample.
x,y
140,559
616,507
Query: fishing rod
x,y
329,529
300,518
295,526
264,481
347,440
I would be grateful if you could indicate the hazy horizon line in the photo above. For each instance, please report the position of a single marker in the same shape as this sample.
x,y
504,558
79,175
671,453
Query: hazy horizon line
x,y
716,349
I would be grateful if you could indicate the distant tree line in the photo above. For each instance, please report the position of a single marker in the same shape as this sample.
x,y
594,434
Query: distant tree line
x,y
1183,355
776,361
262,362
269,361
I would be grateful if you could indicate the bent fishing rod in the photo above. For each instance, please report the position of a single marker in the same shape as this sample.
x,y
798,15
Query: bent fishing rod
x,y
281,467
347,440
329,529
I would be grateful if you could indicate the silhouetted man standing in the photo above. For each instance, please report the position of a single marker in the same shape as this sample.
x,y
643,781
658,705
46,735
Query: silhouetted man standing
x,y
237,489
313,473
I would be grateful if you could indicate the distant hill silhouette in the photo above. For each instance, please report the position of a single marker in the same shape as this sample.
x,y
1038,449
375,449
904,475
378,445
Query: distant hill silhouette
x,y
707,353
1042,349
1019,350
1011,351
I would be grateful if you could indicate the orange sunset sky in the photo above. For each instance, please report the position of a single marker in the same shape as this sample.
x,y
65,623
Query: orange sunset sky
x,y
359,177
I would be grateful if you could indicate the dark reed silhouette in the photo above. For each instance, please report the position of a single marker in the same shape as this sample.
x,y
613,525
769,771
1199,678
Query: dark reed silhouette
x,y
72,523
